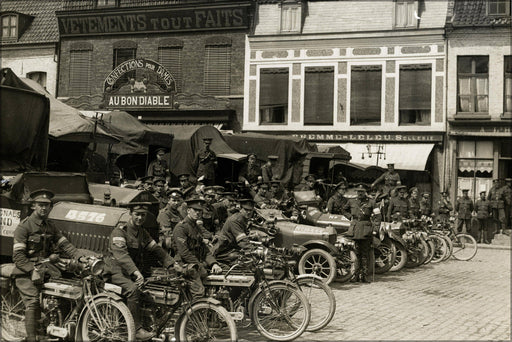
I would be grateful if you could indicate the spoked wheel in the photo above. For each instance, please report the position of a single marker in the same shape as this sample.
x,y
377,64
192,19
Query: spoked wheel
x,y
449,244
400,258
418,256
385,256
322,301
464,247
319,262
431,250
280,312
13,315
441,248
346,266
110,321
206,322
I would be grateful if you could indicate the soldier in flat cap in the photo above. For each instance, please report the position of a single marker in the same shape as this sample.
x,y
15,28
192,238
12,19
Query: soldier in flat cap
x,y
337,201
251,172
160,191
129,244
186,187
205,163
463,209
268,169
261,197
35,238
173,213
398,208
391,179
159,166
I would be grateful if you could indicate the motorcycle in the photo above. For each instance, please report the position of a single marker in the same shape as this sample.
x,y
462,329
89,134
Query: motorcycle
x,y
79,308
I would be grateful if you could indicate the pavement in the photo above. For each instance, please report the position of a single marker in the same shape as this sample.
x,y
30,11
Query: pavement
x,y
452,300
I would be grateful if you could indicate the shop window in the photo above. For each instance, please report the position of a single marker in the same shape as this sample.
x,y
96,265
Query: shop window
x,y
507,89
415,94
318,95
291,17
9,26
406,13
473,84
475,167
365,95
273,104
498,7
79,72
505,160
121,55
39,77
171,59
217,69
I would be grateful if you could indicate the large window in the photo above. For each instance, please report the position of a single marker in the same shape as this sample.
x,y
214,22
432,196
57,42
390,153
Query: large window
x,y
498,7
318,96
9,26
475,166
122,55
217,69
406,13
508,86
473,84
415,94
79,72
274,96
365,95
170,58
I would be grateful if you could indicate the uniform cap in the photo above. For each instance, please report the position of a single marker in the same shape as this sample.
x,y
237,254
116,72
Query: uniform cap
x,y
209,191
391,164
42,196
246,204
465,190
147,179
425,194
196,203
309,178
482,192
175,193
160,151
411,190
343,184
252,154
159,180
139,207
264,185
444,192
360,187
400,187
183,176
272,157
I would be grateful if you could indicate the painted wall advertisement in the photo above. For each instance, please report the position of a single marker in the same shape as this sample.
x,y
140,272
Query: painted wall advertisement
x,y
9,220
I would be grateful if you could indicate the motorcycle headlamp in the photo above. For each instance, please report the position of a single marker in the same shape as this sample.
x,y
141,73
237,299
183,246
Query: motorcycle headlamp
x,y
96,266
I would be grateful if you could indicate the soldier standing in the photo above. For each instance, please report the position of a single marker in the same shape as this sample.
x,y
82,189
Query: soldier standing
x,y
414,203
443,208
463,209
497,198
35,238
337,201
391,179
425,204
205,163
159,166
160,193
507,193
267,170
483,209
398,207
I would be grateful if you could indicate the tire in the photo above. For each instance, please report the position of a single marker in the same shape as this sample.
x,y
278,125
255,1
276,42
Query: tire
x,y
431,251
346,267
416,259
12,315
464,247
206,322
319,262
449,243
116,317
321,299
385,256
400,257
441,249
280,312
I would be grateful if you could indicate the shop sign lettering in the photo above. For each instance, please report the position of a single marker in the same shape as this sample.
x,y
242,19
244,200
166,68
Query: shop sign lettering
x,y
135,101
395,137
9,220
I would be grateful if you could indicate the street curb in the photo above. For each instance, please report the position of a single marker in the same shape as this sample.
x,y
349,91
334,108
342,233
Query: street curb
x,y
497,247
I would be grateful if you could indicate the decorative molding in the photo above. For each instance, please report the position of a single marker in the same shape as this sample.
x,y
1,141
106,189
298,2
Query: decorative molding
x,y
415,49
366,51
319,53
275,54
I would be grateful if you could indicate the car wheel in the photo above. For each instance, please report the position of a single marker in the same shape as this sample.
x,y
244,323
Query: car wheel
x,y
319,262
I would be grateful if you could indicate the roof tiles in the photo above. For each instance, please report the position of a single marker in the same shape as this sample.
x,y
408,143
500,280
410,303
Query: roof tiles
x,y
474,13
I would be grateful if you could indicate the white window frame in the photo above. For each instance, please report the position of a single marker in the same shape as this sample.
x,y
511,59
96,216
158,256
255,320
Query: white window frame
x,y
17,25
290,83
507,7
291,22
408,3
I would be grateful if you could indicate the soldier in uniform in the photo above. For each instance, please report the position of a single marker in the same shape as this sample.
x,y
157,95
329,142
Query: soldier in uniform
x,y
251,172
463,209
35,238
359,210
159,167
267,170
234,234
483,209
186,187
160,192
425,204
308,185
225,207
391,179
146,183
507,193
414,203
190,248
205,163
129,245
337,201
210,218
497,198
443,208
277,193
261,197
173,213
398,207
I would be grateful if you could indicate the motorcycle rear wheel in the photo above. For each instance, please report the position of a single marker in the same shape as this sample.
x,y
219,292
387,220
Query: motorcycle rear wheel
x,y
431,251
206,322
13,315
347,267
417,258
385,256
441,248
320,262
400,258
322,301
449,243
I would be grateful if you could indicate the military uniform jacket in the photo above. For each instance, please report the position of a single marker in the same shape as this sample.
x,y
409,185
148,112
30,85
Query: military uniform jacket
x,y
168,218
390,179
189,245
158,168
250,173
128,246
360,212
162,199
188,193
34,239
261,201
398,205
267,173
425,207
482,208
464,207
234,234
507,194
497,198
205,164
335,204
210,218
414,207
444,207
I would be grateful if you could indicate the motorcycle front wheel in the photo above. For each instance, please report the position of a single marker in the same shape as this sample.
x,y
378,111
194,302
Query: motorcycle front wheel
x,y
441,248
110,321
431,251
346,266
385,255
400,258
13,315
206,322
322,301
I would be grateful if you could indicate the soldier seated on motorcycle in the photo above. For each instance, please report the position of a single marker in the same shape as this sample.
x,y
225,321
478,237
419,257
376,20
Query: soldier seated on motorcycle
x,y
35,238
129,244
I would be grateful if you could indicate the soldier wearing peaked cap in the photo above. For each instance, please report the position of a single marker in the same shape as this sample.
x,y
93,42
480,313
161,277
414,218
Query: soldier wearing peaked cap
x,y
483,210
337,201
160,192
159,166
391,179
186,187
463,209
205,163
261,197
398,207
146,183
172,214
251,172
414,203
268,170
425,204
35,238
443,207
496,197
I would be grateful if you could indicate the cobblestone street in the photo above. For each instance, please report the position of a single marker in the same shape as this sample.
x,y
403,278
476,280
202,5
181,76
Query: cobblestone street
x,y
453,300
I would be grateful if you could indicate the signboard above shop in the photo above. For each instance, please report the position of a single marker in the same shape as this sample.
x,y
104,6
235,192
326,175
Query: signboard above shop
x,y
405,137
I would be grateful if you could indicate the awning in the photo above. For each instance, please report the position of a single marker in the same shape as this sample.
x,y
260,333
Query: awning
x,y
404,156
232,156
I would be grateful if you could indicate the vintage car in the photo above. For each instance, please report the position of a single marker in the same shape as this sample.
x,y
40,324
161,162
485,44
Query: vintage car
x,y
327,254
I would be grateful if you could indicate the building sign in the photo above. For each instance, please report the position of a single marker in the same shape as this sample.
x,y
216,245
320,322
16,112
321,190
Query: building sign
x,y
157,20
9,220
483,130
139,83
368,136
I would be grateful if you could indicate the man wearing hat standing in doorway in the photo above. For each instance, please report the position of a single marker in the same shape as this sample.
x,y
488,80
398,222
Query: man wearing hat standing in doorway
x,y
35,238
398,208
483,209
129,244
337,201
205,163
190,248
463,209
268,170
391,179
159,167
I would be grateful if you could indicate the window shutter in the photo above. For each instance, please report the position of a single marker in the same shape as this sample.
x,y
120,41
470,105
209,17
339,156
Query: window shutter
x,y
415,87
319,96
79,71
365,99
217,70
274,87
170,58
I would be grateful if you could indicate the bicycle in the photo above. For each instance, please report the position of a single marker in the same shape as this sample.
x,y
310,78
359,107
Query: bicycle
x,y
464,245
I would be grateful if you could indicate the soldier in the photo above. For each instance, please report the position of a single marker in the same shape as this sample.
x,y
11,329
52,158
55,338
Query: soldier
x,y
337,201
146,183
267,170
359,210
160,193
186,187
425,204
414,203
190,248
277,193
391,179
463,209
159,167
210,217
205,163
234,234
173,213
251,172
496,197
129,244
443,208
507,193
483,209
308,185
35,238
225,207
261,198
398,207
